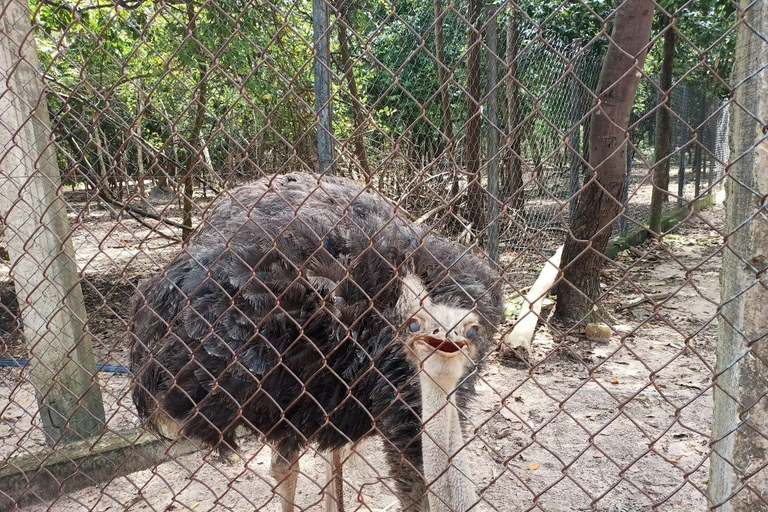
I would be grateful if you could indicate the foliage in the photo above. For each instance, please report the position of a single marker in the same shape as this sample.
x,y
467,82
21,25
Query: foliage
x,y
101,62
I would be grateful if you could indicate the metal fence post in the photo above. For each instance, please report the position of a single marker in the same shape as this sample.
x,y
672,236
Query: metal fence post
x,y
322,69
38,234
576,109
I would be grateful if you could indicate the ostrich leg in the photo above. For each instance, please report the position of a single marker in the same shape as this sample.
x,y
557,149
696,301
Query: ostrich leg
x,y
334,486
284,468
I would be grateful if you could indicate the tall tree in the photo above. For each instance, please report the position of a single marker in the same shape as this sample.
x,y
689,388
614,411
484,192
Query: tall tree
x,y
445,93
572,152
738,479
600,199
475,194
512,182
442,74
349,74
492,93
194,151
664,130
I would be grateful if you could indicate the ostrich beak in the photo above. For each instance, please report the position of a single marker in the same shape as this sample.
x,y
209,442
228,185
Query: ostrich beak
x,y
443,345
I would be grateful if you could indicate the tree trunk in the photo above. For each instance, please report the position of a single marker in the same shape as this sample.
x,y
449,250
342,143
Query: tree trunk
x,y
513,181
663,133
102,186
738,478
492,87
586,133
194,151
38,234
445,96
475,195
683,143
697,151
140,144
322,72
357,107
572,152
600,199
122,177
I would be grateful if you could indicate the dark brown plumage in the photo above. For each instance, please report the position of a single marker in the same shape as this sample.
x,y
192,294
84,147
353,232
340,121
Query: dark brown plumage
x,y
280,316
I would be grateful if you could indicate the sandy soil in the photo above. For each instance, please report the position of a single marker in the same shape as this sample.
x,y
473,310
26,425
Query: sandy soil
x,y
615,426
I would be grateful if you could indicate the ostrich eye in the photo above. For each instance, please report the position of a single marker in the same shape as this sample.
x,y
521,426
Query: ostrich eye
x,y
471,332
414,326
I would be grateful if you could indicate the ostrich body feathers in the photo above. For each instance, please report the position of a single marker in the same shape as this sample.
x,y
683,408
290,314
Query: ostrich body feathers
x,y
280,316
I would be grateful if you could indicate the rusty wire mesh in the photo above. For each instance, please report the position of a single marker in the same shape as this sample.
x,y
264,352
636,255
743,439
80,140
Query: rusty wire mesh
x,y
160,110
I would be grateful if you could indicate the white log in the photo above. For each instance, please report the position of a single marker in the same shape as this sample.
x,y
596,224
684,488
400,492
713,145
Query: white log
x,y
522,334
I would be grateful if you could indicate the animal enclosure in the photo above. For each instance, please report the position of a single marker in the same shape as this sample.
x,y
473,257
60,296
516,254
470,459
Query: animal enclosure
x,y
272,255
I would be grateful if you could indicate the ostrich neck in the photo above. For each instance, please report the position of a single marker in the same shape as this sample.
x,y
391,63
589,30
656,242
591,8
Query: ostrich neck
x,y
446,471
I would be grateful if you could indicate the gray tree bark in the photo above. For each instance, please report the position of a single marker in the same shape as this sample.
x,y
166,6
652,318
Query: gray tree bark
x,y
738,480
43,266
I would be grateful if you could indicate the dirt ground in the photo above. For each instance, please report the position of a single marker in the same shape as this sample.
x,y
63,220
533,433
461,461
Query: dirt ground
x,y
614,426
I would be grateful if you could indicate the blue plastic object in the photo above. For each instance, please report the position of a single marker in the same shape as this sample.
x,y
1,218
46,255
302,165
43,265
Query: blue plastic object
x,y
109,368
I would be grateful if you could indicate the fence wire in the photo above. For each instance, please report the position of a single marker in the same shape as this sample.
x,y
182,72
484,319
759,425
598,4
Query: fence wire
x,y
192,318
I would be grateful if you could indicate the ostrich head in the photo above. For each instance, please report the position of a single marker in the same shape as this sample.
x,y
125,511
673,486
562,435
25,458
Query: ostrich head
x,y
441,339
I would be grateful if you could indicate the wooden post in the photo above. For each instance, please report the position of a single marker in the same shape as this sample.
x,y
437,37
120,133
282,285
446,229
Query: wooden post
x,y
322,70
43,267
492,90
738,479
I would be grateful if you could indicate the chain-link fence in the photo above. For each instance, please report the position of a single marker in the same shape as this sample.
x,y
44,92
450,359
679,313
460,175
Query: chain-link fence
x,y
192,318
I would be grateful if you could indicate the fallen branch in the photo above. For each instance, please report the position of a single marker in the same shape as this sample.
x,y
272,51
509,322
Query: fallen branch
x,y
653,297
142,213
641,255
427,215
522,334
206,183
152,228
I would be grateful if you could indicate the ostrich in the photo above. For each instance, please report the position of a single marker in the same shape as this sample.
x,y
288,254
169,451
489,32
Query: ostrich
x,y
310,310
